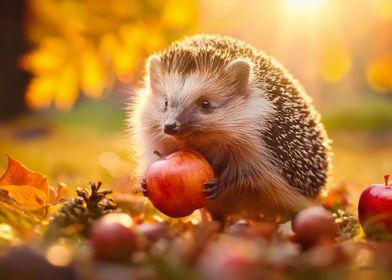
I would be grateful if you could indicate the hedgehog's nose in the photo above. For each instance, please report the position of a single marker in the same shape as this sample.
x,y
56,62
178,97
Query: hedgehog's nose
x,y
171,127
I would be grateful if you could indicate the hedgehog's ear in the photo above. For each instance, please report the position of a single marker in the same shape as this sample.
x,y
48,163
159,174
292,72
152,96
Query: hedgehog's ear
x,y
237,74
153,68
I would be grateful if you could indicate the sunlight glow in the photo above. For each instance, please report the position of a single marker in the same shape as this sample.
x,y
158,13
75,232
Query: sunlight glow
x,y
304,6
59,255
121,218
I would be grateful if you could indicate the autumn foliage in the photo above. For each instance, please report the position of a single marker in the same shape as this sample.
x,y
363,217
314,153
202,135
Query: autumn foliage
x,y
85,46
25,190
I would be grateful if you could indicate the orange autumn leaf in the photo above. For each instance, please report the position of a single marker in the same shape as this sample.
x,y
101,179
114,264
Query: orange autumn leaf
x,y
335,198
27,197
9,203
58,195
18,174
27,189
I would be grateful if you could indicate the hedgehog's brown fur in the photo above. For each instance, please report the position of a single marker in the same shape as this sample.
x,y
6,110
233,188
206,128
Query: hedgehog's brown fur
x,y
281,156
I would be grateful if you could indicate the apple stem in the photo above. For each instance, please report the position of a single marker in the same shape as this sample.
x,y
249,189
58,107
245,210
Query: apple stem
x,y
386,178
158,154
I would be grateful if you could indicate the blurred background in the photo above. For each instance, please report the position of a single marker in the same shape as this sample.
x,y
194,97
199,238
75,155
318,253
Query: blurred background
x,y
67,68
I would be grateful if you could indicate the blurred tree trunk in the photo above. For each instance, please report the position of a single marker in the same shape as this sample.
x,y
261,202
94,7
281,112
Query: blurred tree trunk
x,y
13,44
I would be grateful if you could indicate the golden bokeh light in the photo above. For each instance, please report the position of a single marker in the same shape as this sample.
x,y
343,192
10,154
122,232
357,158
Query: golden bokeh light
x,y
59,255
336,63
92,73
384,9
7,232
379,75
121,218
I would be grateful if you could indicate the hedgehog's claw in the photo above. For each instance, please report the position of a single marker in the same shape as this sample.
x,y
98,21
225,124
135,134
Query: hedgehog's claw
x,y
143,186
211,189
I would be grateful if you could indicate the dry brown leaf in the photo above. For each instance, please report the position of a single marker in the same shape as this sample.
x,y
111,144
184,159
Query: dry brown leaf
x,y
28,197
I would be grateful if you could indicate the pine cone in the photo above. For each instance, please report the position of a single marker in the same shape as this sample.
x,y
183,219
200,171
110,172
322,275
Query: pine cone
x,y
77,214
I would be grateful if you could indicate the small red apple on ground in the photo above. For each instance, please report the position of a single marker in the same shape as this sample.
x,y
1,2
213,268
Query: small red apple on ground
x,y
112,237
375,210
175,183
313,225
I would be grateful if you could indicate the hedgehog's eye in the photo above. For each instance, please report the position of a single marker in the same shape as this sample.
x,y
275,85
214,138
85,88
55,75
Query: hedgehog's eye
x,y
166,103
205,104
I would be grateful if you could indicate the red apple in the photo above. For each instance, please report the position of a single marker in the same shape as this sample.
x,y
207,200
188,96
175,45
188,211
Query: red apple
x,y
375,210
314,224
175,183
112,237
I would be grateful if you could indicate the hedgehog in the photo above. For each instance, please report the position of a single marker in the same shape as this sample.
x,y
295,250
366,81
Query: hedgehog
x,y
245,114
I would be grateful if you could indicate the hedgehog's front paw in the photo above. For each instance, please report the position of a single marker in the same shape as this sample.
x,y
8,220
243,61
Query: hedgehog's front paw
x,y
211,188
143,186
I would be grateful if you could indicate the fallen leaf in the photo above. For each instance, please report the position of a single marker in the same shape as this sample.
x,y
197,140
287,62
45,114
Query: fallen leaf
x,y
57,195
335,198
19,221
17,174
25,190
28,197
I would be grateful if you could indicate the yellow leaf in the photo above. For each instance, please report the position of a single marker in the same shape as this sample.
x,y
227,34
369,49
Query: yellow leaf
x,y
155,39
109,45
124,63
40,92
48,58
179,13
67,88
132,35
28,197
92,73
61,87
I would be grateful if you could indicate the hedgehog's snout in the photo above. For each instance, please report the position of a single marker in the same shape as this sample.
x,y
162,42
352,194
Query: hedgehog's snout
x,y
171,127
